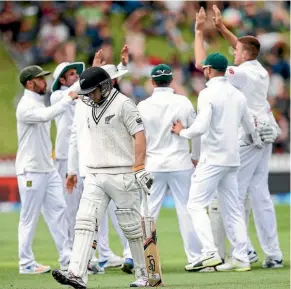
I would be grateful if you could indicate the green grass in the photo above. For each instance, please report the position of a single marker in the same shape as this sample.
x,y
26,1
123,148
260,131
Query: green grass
x,y
172,258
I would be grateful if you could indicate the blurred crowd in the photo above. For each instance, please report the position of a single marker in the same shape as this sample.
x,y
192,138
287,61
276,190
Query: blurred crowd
x,y
42,32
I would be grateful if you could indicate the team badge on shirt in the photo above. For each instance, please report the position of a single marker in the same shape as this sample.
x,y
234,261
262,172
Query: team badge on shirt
x,y
139,120
108,118
29,184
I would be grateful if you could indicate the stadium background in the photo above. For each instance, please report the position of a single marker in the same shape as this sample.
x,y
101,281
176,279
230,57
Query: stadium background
x,y
50,32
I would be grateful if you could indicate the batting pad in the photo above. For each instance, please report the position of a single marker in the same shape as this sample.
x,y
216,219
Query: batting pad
x,y
130,222
83,244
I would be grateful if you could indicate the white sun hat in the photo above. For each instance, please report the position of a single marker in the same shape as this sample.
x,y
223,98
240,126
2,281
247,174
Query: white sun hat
x,y
62,68
113,71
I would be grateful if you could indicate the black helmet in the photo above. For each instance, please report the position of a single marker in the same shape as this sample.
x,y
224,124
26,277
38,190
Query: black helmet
x,y
92,78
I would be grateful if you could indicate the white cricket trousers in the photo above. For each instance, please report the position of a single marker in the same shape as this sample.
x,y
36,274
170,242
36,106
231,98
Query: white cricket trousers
x,y
72,200
253,178
42,193
205,180
179,184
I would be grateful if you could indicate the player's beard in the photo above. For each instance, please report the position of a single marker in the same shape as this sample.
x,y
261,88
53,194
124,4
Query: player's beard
x,y
38,89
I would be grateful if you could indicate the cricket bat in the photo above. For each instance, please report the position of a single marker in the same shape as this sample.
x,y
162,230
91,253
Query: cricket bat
x,y
151,252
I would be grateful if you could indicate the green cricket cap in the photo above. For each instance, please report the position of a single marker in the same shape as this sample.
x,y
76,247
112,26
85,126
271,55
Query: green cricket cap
x,y
161,73
31,72
217,61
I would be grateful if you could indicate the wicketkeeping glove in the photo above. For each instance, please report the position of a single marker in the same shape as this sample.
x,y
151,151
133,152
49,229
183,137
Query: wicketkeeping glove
x,y
268,133
257,141
144,178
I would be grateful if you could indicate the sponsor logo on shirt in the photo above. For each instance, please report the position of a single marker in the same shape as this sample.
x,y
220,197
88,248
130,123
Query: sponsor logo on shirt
x,y
138,120
29,184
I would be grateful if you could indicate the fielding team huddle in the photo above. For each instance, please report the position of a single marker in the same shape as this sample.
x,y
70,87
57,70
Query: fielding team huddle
x,y
112,154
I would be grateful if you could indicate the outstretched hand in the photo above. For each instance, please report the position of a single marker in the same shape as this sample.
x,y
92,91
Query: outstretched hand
x,y
98,59
177,127
217,19
124,55
200,20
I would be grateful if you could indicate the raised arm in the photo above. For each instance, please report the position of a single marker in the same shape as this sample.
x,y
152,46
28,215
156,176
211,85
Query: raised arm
x,y
34,114
199,49
226,33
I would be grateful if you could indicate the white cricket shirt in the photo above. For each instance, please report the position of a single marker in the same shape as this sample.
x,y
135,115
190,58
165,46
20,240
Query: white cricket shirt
x,y
221,110
63,123
78,148
33,131
252,79
167,151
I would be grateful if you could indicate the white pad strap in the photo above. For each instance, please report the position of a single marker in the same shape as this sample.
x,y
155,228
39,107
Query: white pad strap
x,y
85,223
130,222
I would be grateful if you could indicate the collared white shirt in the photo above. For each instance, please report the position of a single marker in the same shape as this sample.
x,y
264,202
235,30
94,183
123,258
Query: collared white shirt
x,y
33,130
63,123
221,110
165,150
252,79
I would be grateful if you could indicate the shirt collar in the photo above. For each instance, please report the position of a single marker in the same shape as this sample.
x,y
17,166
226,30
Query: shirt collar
x,y
215,79
249,62
33,95
163,89
63,87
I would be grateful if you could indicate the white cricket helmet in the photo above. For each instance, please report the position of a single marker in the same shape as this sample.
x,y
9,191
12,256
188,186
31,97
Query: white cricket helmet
x,y
113,71
62,68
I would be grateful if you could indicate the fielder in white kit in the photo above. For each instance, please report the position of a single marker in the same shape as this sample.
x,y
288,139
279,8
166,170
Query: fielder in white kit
x,y
221,111
168,157
253,80
115,135
65,75
76,162
40,185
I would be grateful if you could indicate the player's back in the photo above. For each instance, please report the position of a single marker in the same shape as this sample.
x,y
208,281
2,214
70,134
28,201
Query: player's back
x,y
219,145
165,150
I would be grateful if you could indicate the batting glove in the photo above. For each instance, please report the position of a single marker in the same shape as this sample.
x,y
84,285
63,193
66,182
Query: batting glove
x,y
143,178
257,141
268,133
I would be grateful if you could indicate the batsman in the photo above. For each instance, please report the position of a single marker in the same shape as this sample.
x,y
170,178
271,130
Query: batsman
x,y
115,170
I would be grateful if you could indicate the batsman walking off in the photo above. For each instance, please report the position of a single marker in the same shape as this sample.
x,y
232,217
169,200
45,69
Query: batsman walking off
x,y
221,110
115,134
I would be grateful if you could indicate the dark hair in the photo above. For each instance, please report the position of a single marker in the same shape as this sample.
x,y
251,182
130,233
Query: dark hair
x,y
163,83
252,45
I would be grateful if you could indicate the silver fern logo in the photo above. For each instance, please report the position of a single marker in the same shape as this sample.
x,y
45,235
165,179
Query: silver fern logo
x,y
108,118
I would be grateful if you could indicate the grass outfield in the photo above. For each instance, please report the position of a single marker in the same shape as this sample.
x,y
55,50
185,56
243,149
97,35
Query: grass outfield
x,y
172,257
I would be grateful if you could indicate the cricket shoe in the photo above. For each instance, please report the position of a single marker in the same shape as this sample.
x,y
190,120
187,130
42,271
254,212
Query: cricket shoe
x,y
210,260
128,266
94,268
68,278
112,262
35,269
272,263
141,282
253,257
234,265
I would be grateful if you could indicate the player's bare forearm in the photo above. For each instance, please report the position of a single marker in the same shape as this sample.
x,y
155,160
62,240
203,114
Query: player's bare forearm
x,y
140,148
228,36
199,49
218,23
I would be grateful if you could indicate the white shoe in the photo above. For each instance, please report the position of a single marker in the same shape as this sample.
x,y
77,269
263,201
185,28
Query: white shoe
x,y
142,282
234,265
35,269
210,260
112,261
253,257
272,263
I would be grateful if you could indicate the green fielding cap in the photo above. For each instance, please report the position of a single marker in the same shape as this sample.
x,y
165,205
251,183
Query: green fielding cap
x,y
217,61
31,72
162,72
